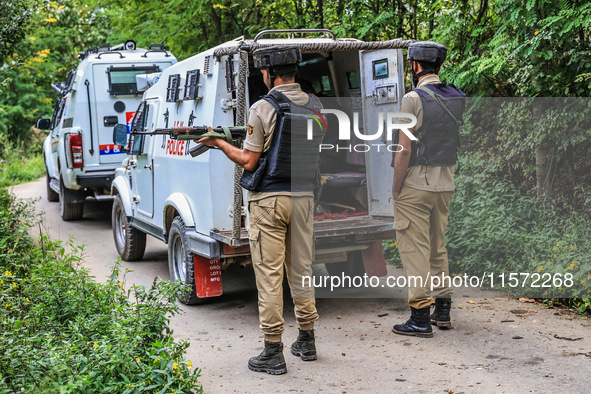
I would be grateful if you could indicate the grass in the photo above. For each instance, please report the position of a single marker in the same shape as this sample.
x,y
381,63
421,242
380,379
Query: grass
x,y
15,170
19,164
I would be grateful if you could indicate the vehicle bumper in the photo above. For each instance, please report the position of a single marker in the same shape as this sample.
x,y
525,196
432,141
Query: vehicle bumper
x,y
96,180
203,245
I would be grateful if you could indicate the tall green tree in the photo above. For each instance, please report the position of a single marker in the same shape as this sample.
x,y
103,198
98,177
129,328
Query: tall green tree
x,y
45,50
14,16
527,48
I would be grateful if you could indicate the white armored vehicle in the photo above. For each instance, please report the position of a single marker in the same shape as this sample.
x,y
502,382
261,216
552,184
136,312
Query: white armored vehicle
x,y
80,157
195,205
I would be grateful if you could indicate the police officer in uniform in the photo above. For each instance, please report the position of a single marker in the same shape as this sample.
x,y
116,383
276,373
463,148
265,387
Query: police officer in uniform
x,y
280,203
423,186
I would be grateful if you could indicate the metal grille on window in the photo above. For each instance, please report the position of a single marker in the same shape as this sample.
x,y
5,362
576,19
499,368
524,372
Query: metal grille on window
x,y
172,90
138,125
191,85
137,122
206,65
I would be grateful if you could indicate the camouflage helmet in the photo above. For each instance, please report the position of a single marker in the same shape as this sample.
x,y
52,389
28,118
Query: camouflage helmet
x,y
277,56
427,51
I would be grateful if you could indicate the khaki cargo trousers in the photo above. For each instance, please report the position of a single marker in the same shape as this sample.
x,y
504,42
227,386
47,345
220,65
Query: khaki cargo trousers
x,y
281,234
420,220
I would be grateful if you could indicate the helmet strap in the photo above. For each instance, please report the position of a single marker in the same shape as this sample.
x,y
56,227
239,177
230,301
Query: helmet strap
x,y
272,75
416,76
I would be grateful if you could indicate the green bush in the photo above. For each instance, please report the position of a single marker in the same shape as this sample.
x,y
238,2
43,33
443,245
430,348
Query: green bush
x,y
63,332
19,165
494,228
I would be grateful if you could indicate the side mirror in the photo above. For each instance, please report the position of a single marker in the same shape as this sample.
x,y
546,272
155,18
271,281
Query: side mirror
x,y
43,124
120,135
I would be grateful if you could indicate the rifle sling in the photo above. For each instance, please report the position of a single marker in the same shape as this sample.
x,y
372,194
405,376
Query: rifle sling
x,y
434,96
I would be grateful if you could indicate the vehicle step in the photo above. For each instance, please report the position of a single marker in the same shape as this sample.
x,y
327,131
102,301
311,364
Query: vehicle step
x,y
54,184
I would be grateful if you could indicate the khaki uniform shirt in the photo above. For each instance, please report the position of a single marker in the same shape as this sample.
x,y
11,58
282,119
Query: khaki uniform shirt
x,y
428,178
261,125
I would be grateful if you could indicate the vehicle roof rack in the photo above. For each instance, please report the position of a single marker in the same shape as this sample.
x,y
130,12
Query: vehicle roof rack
x,y
292,32
106,48
312,46
156,48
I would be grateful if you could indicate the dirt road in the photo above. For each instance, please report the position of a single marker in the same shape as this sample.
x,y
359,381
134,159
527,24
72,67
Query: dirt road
x,y
497,345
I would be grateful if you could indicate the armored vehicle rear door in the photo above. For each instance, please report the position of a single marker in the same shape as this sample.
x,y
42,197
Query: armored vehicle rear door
x,y
116,98
382,88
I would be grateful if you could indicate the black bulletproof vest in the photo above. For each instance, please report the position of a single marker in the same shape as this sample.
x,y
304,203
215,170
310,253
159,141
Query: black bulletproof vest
x,y
291,162
439,134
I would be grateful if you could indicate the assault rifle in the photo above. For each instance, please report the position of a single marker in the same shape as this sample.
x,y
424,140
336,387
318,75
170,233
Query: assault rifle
x,y
234,135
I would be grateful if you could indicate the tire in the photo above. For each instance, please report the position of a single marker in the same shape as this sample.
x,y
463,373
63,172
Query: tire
x,y
69,210
129,241
352,267
180,262
52,196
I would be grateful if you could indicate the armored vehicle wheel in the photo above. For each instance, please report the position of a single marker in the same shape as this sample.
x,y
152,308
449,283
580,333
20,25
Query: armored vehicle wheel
x,y
180,261
69,210
352,267
52,196
129,241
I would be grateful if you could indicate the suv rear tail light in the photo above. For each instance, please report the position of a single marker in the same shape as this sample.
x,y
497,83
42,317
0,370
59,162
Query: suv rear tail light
x,y
76,150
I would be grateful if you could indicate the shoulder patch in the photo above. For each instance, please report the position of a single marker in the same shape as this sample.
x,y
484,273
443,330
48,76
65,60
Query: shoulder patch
x,y
250,129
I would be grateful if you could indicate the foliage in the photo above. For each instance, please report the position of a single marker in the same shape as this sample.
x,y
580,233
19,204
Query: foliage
x,y
63,332
525,48
202,24
495,228
505,132
520,48
52,39
14,15
19,165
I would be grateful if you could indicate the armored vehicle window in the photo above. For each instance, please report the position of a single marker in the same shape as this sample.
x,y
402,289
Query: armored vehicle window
x,y
122,79
137,122
191,85
58,111
138,125
70,80
353,80
325,85
172,90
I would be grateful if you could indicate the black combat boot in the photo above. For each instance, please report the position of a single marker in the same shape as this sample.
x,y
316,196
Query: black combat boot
x,y
304,346
270,360
440,316
419,324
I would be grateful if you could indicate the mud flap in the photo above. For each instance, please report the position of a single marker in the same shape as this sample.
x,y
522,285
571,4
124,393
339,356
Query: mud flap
x,y
373,260
208,276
